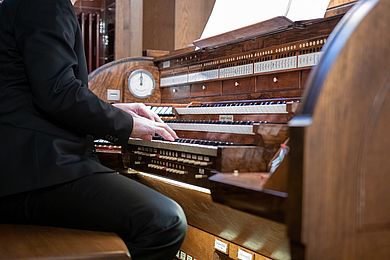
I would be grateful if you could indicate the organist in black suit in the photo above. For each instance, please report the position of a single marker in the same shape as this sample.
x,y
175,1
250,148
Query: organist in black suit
x,y
48,121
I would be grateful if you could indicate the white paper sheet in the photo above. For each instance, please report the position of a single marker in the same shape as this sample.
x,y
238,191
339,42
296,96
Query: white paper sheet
x,y
307,9
228,15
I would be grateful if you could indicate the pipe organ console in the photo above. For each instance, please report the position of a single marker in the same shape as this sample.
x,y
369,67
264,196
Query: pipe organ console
x,y
238,168
208,144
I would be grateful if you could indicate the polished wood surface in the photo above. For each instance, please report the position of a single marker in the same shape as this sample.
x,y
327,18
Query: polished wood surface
x,y
190,19
246,192
201,245
344,167
273,84
115,75
336,3
128,28
87,4
39,242
265,27
158,24
260,235
198,244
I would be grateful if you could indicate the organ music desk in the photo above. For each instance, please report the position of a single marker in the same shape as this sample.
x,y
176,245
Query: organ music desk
x,y
259,172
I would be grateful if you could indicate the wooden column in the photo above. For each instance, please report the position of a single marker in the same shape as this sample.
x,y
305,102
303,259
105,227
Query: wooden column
x,y
128,28
159,25
190,19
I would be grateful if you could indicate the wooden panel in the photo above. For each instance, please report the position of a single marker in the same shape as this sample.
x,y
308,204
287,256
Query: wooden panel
x,y
38,242
128,97
159,24
88,5
190,19
334,3
304,77
206,89
178,92
238,86
286,80
346,214
257,234
128,28
268,26
339,7
376,215
198,244
114,76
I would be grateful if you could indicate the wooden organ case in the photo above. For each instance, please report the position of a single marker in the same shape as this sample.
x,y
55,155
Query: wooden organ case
x,y
248,183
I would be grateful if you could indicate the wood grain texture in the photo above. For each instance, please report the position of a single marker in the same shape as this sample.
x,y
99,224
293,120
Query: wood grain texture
x,y
88,5
159,24
260,235
213,88
190,19
238,86
115,75
246,192
128,28
38,242
251,31
278,81
335,3
346,214
198,244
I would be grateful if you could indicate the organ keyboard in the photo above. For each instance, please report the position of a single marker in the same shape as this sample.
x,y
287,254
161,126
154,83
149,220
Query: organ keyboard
x,y
208,144
231,104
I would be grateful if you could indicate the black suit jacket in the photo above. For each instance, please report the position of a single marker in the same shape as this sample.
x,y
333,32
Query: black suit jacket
x,y
48,116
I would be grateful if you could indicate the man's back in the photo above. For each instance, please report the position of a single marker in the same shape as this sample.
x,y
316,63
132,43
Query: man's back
x,y
48,116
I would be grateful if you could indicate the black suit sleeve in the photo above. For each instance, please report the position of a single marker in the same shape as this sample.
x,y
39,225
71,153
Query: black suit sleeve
x,y
45,32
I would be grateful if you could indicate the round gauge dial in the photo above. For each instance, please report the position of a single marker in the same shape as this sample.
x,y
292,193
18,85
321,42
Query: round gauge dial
x,y
141,83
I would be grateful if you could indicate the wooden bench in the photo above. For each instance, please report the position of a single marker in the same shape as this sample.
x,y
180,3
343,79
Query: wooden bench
x,y
39,242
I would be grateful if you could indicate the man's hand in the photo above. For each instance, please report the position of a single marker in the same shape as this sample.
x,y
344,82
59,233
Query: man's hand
x,y
138,109
146,122
145,129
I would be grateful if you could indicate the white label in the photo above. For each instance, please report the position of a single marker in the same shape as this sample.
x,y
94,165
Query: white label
x,y
113,94
275,65
183,255
180,79
178,254
228,118
242,255
189,257
166,64
235,71
310,59
221,246
167,81
203,75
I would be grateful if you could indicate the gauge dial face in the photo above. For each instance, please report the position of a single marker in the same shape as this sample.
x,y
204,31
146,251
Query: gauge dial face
x,y
141,83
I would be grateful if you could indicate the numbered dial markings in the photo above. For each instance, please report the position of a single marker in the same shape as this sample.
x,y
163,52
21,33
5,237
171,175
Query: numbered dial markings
x,y
141,83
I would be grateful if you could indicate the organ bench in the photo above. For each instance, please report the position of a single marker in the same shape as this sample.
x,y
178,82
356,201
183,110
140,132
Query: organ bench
x,y
41,242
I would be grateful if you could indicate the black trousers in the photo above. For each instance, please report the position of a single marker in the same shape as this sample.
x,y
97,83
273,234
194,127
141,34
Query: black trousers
x,y
152,225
